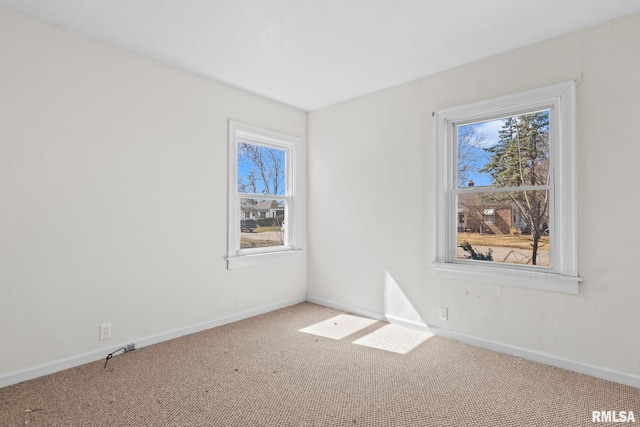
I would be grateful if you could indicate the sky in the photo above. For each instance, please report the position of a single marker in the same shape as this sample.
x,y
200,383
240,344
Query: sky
x,y
489,131
487,136
268,156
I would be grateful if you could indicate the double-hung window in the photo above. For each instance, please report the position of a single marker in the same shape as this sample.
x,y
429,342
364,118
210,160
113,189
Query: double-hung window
x,y
263,223
506,190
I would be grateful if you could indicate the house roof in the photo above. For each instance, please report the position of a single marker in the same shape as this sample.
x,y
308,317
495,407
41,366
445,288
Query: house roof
x,y
267,205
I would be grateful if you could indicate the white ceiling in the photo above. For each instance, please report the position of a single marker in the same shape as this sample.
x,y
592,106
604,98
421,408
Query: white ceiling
x,y
313,53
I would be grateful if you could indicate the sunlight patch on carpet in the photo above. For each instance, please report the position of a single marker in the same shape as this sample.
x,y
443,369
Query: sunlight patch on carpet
x,y
394,338
338,327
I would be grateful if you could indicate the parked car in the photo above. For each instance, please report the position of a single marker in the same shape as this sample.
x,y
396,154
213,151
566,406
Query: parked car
x,y
248,225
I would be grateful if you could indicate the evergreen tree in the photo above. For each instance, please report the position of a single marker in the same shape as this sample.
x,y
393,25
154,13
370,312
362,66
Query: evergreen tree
x,y
521,158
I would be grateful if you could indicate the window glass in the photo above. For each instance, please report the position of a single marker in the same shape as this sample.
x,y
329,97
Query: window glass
x,y
498,224
264,213
261,170
510,153
506,199
262,223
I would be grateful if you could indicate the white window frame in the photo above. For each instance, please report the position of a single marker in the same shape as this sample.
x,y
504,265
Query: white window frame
x,y
238,257
562,275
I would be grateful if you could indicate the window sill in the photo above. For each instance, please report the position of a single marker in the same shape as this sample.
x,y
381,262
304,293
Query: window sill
x,y
510,277
262,258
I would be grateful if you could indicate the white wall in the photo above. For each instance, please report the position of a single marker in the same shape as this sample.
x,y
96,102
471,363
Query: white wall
x,y
113,200
372,202
113,192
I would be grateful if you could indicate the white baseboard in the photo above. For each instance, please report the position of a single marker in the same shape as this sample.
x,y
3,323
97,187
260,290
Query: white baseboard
x,y
348,308
81,359
370,314
177,333
407,323
558,362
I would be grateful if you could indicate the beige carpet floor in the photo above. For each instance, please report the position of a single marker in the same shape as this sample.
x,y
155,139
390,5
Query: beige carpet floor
x,y
263,371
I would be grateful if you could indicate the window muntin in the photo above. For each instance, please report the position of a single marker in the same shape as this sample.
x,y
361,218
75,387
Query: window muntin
x,y
455,181
261,194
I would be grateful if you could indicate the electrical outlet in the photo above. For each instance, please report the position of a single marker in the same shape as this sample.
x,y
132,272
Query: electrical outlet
x,y
105,331
130,347
444,313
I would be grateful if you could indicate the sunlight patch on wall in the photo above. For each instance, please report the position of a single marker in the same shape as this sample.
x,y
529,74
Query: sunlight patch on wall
x,y
397,307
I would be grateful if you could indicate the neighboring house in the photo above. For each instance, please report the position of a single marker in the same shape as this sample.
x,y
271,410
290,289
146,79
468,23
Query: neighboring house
x,y
476,216
250,209
246,208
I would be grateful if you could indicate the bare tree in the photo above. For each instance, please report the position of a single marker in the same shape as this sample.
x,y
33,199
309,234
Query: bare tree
x,y
261,175
470,152
521,158
263,171
275,164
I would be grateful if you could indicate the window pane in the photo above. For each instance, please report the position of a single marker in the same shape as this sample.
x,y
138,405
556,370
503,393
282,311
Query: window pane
x,y
262,223
506,227
261,170
507,152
